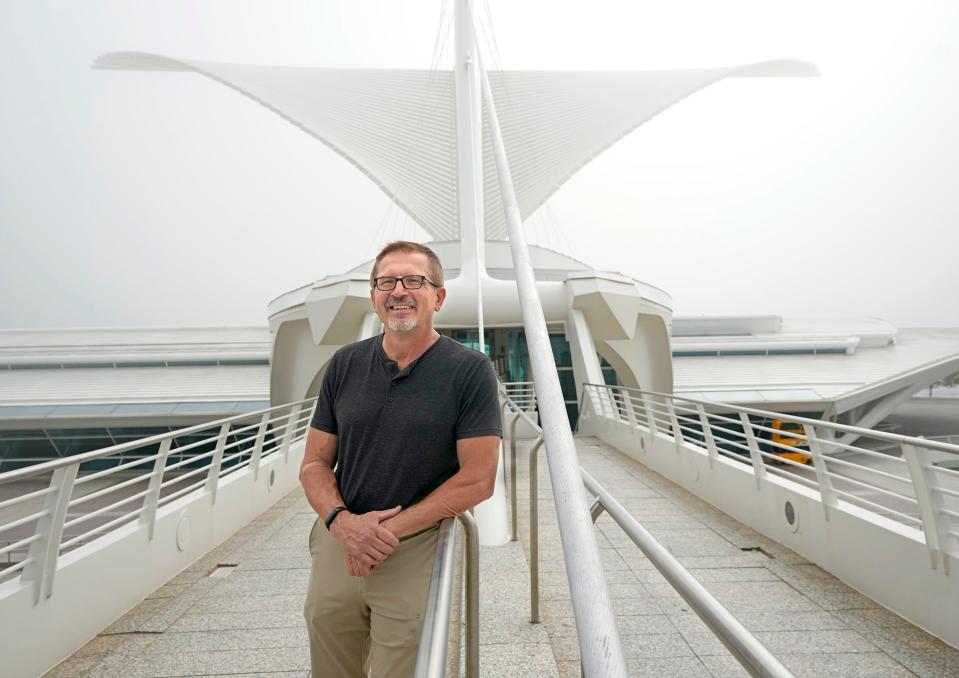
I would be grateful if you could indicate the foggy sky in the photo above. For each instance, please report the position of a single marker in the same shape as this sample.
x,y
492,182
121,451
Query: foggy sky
x,y
134,199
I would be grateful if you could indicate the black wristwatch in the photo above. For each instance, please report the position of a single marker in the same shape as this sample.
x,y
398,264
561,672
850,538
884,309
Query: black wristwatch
x,y
331,516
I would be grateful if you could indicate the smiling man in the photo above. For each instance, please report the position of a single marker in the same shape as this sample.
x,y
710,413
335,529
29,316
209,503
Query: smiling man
x,y
406,432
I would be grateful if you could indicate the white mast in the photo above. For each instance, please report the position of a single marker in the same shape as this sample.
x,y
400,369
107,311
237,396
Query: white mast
x,y
469,156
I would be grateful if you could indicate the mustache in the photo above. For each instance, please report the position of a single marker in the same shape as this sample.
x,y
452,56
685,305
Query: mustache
x,y
402,301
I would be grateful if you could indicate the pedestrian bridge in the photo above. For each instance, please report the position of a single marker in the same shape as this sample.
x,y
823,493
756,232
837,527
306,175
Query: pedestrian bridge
x,y
197,564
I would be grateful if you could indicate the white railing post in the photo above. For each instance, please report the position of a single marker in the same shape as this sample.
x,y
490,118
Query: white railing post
x,y
674,422
630,412
213,476
711,450
826,493
759,468
512,476
934,529
258,445
45,552
650,419
152,499
288,431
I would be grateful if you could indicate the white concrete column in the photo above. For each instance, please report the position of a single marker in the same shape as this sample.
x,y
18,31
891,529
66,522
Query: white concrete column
x,y
586,366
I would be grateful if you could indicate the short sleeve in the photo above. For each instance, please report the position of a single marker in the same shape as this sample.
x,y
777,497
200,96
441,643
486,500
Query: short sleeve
x,y
479,413
324,416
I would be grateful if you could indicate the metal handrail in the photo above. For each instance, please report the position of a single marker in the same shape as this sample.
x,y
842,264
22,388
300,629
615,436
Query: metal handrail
x,y
919,498
843,428
36,469
434,638
750,653
744,646
49,539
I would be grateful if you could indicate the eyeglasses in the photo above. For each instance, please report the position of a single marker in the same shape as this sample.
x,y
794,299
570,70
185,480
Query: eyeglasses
x,y
410,282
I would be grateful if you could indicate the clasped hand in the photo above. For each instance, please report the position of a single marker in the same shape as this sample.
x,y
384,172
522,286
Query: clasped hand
x,y
366,542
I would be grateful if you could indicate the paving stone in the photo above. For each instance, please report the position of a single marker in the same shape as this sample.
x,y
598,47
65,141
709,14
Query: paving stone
x,y
650,646
509,660
668,667
724,666
645,624
229,621
839,665
117,643
206,663
75,666
247,639
292,602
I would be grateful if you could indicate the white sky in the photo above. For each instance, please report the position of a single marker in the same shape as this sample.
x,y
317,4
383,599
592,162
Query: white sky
x,y
165,199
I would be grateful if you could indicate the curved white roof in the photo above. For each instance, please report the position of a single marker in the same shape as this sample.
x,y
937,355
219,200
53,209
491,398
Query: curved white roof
x,y
398,126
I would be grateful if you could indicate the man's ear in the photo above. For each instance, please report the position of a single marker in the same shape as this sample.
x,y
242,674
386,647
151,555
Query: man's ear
x,y
440,297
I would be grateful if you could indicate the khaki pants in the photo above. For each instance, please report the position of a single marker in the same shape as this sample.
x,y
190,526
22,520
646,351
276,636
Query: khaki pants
x,y
367,626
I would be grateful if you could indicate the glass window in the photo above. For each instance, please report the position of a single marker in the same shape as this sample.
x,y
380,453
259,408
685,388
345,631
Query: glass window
x,y
19,435
137,432
36,447
561,350
70,446
517,356
568,383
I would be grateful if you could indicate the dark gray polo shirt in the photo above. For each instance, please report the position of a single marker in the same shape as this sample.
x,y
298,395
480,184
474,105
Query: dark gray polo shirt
x,y
397,429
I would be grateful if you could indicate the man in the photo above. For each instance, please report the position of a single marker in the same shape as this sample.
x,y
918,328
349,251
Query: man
x,y
410,422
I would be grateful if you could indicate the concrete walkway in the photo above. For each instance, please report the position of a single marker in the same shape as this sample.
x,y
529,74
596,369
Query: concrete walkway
x,y
813,623
237,611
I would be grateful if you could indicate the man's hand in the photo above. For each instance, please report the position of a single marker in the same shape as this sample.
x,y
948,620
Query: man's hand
x,y
364,539
355,568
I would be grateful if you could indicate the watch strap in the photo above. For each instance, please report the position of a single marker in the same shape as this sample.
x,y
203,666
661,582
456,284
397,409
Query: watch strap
x,y
331,516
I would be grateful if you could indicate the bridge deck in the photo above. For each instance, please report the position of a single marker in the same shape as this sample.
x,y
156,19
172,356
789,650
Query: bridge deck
x,y
249,622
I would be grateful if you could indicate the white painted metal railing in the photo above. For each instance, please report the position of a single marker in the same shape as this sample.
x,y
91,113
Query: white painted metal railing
x,y
750,653
522,394
57,506
904,479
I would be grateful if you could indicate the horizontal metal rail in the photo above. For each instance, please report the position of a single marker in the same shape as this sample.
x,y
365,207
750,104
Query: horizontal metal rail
x,y
46,510
750,653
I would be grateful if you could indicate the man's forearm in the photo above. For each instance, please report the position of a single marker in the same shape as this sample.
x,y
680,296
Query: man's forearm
x,y
450,499
320,488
